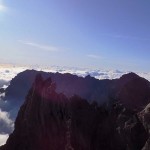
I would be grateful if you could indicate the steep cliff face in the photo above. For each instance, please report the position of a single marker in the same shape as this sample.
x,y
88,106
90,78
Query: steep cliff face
x,y
41,122
50,121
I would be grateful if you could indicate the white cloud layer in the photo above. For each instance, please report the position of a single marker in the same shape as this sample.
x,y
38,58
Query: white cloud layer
x,y
3,138
6,124
9,72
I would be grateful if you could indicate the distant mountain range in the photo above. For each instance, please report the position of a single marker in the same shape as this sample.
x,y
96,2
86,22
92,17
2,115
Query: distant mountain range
x,y
64,111
129,89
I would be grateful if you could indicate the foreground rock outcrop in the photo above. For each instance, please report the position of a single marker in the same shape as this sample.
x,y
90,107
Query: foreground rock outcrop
x,y
49,120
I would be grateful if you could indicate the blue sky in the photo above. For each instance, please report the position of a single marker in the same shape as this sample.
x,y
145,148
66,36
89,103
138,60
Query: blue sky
x,y
108,34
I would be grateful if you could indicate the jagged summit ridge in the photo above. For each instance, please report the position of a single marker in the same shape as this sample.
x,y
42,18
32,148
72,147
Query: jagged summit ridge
x,y
51,121
130,87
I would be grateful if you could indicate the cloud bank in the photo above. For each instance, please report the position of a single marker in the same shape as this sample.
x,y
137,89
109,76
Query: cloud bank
x,y
6,124
9,72
3,138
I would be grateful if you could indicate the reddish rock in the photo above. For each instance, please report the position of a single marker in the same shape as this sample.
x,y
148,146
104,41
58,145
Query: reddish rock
x,y
50,121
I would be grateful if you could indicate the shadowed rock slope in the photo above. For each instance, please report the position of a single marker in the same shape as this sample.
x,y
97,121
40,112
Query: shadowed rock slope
x,y
49,120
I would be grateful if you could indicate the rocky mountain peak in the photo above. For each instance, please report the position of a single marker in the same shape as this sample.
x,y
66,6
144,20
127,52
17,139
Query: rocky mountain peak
x,y
49,120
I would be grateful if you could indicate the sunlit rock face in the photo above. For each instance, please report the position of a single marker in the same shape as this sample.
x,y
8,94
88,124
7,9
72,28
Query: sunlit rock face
x,y
49,120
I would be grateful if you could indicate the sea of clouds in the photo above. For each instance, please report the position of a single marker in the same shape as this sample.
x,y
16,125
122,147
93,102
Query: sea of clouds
x,y
9,72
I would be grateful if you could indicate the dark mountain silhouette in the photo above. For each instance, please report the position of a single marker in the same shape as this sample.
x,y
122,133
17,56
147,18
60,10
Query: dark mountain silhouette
x,y
67,83
49,120
134,93
130,89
